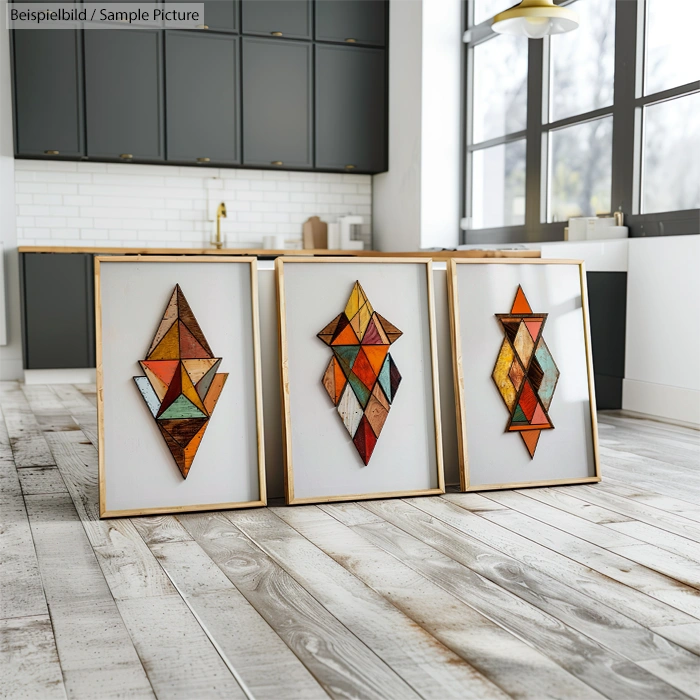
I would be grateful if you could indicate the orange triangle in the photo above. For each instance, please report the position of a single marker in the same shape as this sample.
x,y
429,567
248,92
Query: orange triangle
x,y
520,305
214,392
169,347
346,337
376,355
190,392
159,386
163,369
192,446
530,438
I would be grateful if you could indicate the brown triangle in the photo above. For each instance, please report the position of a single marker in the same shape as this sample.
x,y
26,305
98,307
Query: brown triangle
x,y
169,317
176,450
182,430
187,317
392,332
326,335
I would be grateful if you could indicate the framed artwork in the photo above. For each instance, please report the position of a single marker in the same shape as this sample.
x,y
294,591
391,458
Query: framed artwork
x,y
361,414
178,384
524,391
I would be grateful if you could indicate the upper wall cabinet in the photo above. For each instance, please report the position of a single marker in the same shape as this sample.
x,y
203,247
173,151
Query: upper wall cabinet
x,y
351,109
277,103
219,15
352,21
202,97
48,89
291,19
124,94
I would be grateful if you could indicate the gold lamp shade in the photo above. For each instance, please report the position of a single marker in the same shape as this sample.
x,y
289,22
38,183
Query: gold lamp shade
x,y
535,19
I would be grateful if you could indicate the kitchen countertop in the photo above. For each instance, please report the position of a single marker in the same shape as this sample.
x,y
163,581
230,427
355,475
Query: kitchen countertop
x,y
258,252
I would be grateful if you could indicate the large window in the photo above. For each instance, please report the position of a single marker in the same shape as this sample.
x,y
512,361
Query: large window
x,y
601,119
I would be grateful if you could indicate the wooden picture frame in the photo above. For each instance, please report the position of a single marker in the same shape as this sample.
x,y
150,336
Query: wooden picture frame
x,y
251,263
462,393
282,264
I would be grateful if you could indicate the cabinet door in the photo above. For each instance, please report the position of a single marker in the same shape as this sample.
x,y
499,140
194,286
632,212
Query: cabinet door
x,y
277,103
48,80
352,21
221,15
124,94
351,109
58,310
285,18
202,97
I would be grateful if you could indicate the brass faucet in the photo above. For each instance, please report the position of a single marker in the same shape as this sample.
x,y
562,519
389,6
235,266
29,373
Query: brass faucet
x,y
221,211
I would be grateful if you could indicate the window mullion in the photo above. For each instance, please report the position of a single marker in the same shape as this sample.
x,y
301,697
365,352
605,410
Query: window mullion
x,y
626,153
533,158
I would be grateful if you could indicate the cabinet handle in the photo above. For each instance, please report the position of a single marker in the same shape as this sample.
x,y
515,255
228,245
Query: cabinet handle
x,y
126,156
276,162
202,26
203,160
50,153
351,41
349,167
276,33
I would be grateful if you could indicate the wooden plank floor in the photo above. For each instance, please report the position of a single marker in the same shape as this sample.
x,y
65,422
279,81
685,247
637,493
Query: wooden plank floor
x,y
566,593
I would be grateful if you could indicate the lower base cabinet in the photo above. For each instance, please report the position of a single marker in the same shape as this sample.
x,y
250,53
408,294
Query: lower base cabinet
x,y
58,310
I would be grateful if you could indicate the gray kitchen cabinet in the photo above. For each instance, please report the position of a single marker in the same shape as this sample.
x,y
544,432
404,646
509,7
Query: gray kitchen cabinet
x,y
124,94
350,109
277,103
292,19
351,21
58,312
221,15
48,92
203,104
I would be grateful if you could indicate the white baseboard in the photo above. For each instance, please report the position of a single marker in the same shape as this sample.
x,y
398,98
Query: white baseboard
x,y
60,376
660,400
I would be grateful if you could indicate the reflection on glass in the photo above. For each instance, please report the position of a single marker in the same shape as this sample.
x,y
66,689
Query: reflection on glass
x,y
498,186
500,87
673,49
671,156
580,168
485,9
583,62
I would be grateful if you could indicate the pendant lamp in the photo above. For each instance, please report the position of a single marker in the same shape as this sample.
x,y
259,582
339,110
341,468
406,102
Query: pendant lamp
x,y
535,19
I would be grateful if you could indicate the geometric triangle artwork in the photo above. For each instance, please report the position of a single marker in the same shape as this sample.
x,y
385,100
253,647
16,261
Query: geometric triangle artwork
x,y
361,378
525,372
181,386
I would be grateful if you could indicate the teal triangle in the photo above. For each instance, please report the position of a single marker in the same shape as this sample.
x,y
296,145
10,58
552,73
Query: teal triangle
x,y
182,407
519,416
346,354
385,378
361,391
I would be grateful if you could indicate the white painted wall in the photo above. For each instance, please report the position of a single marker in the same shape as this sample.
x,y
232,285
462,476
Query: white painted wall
x,y
10,354
416,203
662,373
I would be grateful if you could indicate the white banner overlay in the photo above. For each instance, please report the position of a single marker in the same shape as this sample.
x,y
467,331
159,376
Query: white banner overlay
x,y
109,15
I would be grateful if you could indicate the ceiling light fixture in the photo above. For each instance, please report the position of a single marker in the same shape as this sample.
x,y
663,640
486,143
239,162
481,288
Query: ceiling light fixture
x,y
535,19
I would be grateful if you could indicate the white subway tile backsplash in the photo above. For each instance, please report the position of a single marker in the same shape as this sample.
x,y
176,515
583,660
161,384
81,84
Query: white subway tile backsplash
x,y
125,204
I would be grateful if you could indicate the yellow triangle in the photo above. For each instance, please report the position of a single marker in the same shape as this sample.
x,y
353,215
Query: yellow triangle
x,y
190,392
169,347
353,302
198,368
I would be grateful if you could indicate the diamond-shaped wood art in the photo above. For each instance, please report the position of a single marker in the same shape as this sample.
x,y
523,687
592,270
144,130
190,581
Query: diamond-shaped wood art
x,y
361,378
181,385
525,372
